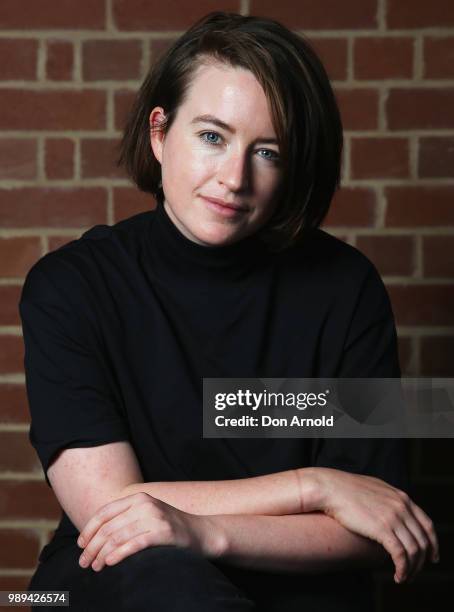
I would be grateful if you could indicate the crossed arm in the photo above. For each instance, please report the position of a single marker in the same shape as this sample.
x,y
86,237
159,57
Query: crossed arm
x,y
262,524
278,521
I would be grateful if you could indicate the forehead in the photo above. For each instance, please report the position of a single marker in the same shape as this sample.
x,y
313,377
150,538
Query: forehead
x,y
232,94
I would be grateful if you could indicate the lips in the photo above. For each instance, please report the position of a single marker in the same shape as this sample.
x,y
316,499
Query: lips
x,y
224,203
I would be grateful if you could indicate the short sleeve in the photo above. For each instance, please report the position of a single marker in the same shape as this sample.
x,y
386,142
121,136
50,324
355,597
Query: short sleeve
x,y
71,400
370,351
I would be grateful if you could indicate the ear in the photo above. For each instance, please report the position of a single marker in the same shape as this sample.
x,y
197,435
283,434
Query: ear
x,y
157,135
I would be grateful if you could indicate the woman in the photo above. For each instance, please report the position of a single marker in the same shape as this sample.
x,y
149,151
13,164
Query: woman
x,y
237,134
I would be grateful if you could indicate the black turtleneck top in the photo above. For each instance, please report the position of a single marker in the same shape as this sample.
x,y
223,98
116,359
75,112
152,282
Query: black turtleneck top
x,y
121,326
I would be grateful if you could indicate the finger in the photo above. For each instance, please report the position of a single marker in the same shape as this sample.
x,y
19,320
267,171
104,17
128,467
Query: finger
x,y
115,540
412,550
423,542
100,538
422,537
398,553
105,513
140,542
428,525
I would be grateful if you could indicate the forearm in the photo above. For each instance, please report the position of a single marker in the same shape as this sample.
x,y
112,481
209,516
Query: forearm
x,y
304,543
280,493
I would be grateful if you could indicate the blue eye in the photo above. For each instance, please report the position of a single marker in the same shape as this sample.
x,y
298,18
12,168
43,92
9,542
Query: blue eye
x,y
209,141
273,158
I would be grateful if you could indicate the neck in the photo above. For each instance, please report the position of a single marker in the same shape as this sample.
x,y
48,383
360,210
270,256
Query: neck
x,y
233,259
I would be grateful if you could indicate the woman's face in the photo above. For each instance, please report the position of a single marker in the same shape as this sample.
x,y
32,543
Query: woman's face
x,y
236,163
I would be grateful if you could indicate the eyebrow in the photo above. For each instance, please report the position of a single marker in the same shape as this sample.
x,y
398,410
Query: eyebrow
x,y
227,127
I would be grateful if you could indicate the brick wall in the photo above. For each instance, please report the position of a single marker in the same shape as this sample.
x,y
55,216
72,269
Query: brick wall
x,y
68,74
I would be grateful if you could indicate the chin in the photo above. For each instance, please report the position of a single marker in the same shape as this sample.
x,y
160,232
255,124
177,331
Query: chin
x,y
219,242
216,237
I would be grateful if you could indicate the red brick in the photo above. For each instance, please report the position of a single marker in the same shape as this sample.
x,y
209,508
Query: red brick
x,y
436,157
60,60
17,255
111,60
52,110
53,206
319,14
123,100
15,583
16,453
129,201
352,207
158,46
379,158
57,241
383,58
420,108
393,255
98,158
436,356
18,548
405,349
419,14
438,59
9,299
438,256
18,158
27,499
419,205
419,304
22,54
11,354
47,14
59,158
141,15
13,403
358,108
333,54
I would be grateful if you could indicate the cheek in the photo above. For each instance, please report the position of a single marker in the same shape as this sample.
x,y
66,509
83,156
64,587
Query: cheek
x,y
267,186
269,196
198,172
183,181
187,166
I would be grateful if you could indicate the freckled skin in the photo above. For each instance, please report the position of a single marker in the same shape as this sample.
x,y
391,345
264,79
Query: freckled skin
x,y
204,159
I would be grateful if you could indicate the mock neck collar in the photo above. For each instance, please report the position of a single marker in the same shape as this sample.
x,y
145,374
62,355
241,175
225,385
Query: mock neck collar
x,y
235,259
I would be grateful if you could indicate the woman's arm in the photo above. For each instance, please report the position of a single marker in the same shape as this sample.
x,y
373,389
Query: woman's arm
x,y
308,543
86,479
274,494
363,505
372,521
367,512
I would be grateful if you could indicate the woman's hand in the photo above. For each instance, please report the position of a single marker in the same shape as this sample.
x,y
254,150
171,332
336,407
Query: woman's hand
x,y
129,524
372,508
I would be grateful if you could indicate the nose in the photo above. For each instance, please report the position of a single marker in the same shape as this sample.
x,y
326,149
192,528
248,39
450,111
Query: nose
x,y
233,170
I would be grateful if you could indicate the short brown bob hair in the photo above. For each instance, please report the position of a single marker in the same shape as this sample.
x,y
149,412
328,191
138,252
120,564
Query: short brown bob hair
x,y
304,112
